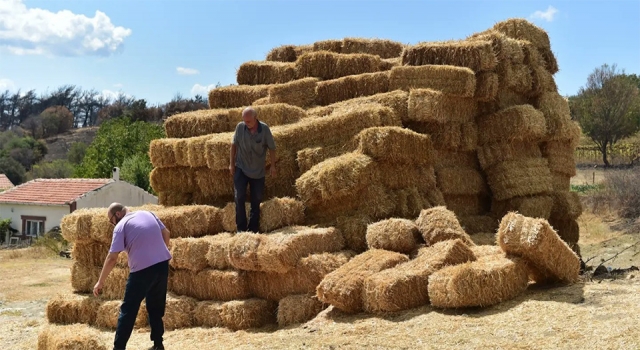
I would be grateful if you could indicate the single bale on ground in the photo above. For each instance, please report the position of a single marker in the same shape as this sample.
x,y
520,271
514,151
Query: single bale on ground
x,y
109,312
452,80
397,235
248,313
70,337
298,308
440,224
72,308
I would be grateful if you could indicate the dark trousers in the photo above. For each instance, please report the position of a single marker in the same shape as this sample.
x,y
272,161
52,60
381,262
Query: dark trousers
x,y
256,188
149,284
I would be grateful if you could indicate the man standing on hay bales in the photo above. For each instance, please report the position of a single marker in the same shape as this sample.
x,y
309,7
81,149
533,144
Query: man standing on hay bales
x,y
146,240
247,164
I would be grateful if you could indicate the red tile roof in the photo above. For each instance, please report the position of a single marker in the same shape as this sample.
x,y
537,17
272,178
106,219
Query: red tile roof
x,y
5,183
51,191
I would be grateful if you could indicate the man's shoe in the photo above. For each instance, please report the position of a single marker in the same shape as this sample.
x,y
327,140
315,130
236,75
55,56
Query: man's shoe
x,y
155,347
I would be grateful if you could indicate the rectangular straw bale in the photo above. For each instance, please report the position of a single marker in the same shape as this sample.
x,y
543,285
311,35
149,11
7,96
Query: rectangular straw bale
x,y
452,80
451,136
566,204
525,177
248,313
207,314
331,45
537,242
397,235
181,150
568,230
109,311
493,153
518,123
236,95
283,53
517,77
302,49
463,205
478,224
487,251
179,313
301,92
161,153
392,144
211,284
505,98
303,278
487,86
329,65
380,47
280,212
178,179
218,253
480,283
261,101
271,114
343,288
91,253
298,308
189,253
461,181
354,230
197,150
308,157
396,100
560,182
505,47
561,156
197,123
70,337
214,183
410,201
72,308
265,72
435,106
421,177
83,278
76,227
171,198
446,158
405,286
229,216
185,221
440,224
338,177
388,63
477,55
558,116
550,61
531,206
352,86
522,29
542,81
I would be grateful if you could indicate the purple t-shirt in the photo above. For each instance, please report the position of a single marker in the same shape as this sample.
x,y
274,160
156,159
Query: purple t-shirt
x,y
140,234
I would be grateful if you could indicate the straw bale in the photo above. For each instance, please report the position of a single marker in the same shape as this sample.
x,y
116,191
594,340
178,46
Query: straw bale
x,y
284,53
229,216
352,86
161,153
465,205
410,201
477,55
354,230
568,230
530,206
473,224
262,101
207,314
194,147
421,177
525,177
332,45
236,95
179,179
76,227
522,29
532,56
210,284
487,251
171,199
70,337
556,111
83,278
396,145
329,65
396,100
302,49
461,181
542,81
397,235
505,47
308,157
440,224
272,114
550,61
380,47
491,154
388,63
537,242
482,283
337,177
265,72
435,106
303,278
248,313
181,150
560,182
280,212
214,183
505,98
343,288
517,77
91,253
72,308
109,311
452,136
298,308
185,221
301,92
405,286
566,204
218,254
487,85
446,158
452,80
189,253
561,156
518,123
197,123
179,312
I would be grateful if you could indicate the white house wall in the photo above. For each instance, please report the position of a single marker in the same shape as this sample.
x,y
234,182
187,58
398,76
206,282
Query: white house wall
x,y
118,191
15,212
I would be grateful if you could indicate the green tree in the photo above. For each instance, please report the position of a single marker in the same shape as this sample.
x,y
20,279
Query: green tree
x,y
117,140
57,169
607,108
12,169
76,152
5,226
136,169
26,150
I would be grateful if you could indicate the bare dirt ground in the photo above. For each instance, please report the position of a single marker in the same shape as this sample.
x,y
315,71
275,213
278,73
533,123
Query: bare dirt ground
x,y
600,313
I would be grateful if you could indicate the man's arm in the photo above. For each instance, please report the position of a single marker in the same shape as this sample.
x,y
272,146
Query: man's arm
x,y
166,236
272,159
232,159
109,263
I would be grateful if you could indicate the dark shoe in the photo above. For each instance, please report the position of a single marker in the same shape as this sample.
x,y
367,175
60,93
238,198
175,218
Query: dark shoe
x,y
156,347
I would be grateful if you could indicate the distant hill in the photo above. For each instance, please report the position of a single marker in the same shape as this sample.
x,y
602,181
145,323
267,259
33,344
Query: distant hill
x,y
59,145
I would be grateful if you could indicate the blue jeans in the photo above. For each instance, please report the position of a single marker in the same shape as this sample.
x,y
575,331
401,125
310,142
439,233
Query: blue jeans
x,y
149,283
256,186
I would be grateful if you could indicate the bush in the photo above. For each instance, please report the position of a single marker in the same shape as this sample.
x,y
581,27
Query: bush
x,y
57,169
12,169
135,170
56,120
623,187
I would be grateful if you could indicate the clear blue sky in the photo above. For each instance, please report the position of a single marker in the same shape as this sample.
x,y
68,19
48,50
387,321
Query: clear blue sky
x,y
154,49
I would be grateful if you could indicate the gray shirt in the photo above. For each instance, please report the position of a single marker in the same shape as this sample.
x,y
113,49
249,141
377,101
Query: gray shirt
x,y
251,152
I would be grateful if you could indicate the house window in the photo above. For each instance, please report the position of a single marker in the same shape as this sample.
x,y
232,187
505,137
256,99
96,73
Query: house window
x,y
33,225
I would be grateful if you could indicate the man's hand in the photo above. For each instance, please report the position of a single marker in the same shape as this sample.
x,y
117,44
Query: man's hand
x,y
98,288
232,170
272,170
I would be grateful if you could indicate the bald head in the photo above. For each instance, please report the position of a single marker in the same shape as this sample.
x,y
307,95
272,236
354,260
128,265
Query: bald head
x,y
249,117
114,208
249,112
